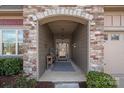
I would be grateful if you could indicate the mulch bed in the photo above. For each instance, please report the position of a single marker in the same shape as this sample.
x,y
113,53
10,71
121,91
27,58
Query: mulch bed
x,y
45,85
8,80
82,85
11,80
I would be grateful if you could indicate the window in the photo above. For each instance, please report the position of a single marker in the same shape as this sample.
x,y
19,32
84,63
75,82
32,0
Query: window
x,y
11,41
105,36
115,37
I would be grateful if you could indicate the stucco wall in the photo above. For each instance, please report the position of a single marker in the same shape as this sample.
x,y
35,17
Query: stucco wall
x,y
79,52
45,42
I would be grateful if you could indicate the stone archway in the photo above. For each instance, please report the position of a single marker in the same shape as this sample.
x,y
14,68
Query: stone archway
x,y
94,16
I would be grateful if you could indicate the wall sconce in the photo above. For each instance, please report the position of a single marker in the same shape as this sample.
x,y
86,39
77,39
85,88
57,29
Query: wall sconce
x,y
74,45
92,23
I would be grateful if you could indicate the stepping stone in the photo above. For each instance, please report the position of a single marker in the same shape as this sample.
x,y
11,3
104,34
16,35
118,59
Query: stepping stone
x,y
66,85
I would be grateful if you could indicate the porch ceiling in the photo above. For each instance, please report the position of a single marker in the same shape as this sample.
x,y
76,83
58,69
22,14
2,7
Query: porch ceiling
x,y
63,26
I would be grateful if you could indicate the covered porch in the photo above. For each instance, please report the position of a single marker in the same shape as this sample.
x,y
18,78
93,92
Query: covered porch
x,y
65,40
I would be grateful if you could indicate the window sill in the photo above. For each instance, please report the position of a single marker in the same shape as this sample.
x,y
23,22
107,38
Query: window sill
x,y
11,56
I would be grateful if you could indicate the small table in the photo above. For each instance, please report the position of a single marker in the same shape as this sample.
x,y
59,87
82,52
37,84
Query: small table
x,y
49,60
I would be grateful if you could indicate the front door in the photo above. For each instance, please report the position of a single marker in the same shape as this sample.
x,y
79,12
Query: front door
x,y
62,48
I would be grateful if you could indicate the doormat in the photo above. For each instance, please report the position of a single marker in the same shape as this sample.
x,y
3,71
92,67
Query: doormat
x,y
63,66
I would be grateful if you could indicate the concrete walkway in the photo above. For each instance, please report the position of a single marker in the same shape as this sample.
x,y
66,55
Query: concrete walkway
x,y
66,85
64,76
120,80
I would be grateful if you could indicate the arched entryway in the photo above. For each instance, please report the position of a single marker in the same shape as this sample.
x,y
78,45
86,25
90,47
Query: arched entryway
x,y
88,18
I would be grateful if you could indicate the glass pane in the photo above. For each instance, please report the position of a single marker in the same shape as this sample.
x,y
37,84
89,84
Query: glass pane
x,y
20,36
21,49
20,42
9,42
9,36
9,48
115,37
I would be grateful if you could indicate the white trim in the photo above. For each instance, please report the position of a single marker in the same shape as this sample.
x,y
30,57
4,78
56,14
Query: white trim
x,y
1,41
37,34
114,28
11,17
17,42
11,27
88,50
14,10
113,13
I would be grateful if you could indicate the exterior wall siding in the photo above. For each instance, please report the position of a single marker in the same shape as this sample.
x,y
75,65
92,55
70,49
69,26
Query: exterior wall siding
x,y
45,42
95,16
80,51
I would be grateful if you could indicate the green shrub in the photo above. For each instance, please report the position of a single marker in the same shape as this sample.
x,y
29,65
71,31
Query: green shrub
x,y
2,70
23,82
100,80
10,66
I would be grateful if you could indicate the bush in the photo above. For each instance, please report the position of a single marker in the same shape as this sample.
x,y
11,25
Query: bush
x,y
100,80
23,82
10,66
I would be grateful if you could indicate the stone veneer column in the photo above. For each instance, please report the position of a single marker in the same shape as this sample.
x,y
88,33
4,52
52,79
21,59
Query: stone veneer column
x,y
33,13
97,38
30,39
